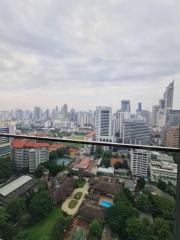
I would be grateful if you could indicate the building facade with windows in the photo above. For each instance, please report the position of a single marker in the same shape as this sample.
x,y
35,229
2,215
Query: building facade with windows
x,y
138,163
104,124
28,155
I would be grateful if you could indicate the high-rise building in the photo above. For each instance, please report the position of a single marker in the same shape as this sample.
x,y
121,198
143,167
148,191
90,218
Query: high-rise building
x,y
173,117
161,104
173,137
168,96
104,124
139,109
125,106
73,116
64,111
154,116
136,132
5,147
139,160
28,155
37,114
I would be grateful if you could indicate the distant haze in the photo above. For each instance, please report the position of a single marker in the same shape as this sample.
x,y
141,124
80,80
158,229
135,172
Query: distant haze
x,y
87,53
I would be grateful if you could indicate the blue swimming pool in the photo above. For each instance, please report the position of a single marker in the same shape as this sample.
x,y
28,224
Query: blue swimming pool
x,y
105,203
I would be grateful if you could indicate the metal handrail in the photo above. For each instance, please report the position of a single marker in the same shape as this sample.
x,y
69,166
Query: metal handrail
x,y
110,144
118,145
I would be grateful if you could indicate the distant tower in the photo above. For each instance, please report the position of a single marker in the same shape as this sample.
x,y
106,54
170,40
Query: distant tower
x,y
169,96
125,106
139,109
65,111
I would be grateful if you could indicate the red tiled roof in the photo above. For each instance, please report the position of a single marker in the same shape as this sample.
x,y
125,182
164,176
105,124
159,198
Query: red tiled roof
x,y
83,163
114,161
28,144
55,146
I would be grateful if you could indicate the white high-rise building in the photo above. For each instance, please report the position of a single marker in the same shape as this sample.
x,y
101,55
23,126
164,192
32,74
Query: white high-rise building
x,y
104,124
139,160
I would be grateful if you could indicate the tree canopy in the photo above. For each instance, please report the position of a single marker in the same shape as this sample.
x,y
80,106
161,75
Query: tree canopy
x,y
95,230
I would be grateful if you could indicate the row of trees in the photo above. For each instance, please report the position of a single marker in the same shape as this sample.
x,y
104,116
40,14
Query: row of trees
x,y
6,169
123,217
168,188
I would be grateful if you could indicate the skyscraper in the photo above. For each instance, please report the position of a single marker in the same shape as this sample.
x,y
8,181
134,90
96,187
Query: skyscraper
x,y
104,124
139,109
168,96
64,111
136,132
125,106
37,114
154,116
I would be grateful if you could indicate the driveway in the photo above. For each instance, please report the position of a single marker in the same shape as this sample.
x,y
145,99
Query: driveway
x,y
65,204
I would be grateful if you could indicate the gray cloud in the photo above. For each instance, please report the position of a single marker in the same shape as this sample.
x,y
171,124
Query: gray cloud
x,y
46,45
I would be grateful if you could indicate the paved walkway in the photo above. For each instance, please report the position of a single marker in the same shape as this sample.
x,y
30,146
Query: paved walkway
x,y
65,204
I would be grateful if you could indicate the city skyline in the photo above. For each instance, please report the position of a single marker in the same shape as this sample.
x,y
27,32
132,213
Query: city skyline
x,y
88,54
124,103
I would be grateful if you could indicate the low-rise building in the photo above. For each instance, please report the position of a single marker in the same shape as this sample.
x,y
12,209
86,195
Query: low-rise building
x,y
83,164
106,171
165,171
28,154
16,188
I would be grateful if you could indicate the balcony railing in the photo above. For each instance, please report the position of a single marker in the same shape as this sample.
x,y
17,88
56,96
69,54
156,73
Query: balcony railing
x,y
118,146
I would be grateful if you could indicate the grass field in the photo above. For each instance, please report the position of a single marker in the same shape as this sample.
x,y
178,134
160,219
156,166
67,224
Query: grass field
x,y
77,137
42,230
72,203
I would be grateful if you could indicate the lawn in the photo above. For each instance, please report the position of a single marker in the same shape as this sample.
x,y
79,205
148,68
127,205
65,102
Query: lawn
x,y
78,195
42,230
77,137
72,204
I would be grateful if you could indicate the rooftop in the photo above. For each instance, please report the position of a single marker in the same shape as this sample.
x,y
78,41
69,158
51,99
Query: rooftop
x,y
28,144
12,186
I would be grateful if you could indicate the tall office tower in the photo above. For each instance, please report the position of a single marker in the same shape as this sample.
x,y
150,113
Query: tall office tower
x,y
173,137
138,162
104,124
125,106
28,155
161,104
19,114
168,96
47,114
139,109
55,113
5,147
173,117
37,114
154,117
136,132
73,116
64,111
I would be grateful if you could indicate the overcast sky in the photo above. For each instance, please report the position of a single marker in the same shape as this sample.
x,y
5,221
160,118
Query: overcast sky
x,y
88,52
